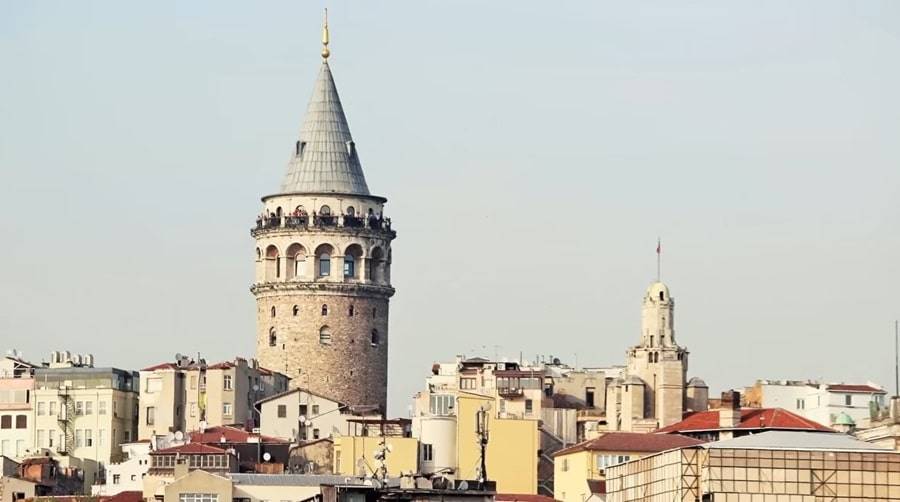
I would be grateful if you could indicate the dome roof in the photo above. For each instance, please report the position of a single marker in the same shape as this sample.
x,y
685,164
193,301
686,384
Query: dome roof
x,y
844,419
656,288
696,382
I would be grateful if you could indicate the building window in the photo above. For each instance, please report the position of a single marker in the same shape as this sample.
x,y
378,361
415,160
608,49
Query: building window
x,y
40,439
41,408
350,311
79,438
198,497
324,265
52,408
116,478
315,410
273,340
467,383
349,266
21,421
801,404
101,437
226,409
374,313
441,405
226,381
88,437
296,310
325,336
273,312
151,415
282,411
589,397
101,407
324,309
374,339
315,433
303,409
565,464
427,452
848,400
79,408
6,422
88,407
529,406
193,411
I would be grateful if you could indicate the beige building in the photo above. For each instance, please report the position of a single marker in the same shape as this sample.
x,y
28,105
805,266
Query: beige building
x,y
82,413
774,466
16,407
376,448
323,264
653,391
185,395
580,470
170,466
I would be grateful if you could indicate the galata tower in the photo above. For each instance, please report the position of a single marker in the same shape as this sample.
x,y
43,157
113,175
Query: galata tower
x,y
323,263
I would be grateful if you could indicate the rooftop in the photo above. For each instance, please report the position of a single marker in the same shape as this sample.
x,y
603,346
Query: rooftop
x,y
751,418
631,441
798,440
190,449
293,479
230,434
864,388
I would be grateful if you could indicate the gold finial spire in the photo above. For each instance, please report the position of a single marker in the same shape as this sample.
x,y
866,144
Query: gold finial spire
x,y
325,51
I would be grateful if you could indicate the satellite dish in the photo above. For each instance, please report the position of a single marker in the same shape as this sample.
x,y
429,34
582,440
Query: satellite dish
x,y
360,463
267,456
178,356
179,435
308,423
169,438
463,486
302,419
255,388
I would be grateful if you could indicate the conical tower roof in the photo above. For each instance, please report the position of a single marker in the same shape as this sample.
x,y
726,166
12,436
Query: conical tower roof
x,y
325,158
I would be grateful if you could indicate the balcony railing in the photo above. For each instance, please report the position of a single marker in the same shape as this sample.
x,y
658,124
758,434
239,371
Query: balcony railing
x,y
305,221
510,392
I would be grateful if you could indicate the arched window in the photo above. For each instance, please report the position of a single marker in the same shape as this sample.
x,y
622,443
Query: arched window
x,y
323,260
351,211
296,261
273,340
325,335
273,311
374,339
324,265
258,254
324,309
376,265
374,313
662,296
352,259
349,266
325,211
351,311
296,310
273,263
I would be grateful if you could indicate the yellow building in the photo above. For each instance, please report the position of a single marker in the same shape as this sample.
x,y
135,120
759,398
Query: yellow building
x,y
511,455
576,467
358,453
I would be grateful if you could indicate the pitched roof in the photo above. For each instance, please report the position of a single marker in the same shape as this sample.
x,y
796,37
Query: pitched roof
x,y
161,366
190,448
126,496
843,387
325,159
798,440
295,390
631,441
231,434
751,418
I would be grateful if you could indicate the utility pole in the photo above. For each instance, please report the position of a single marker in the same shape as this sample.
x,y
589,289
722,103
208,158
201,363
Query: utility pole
x,y
482,431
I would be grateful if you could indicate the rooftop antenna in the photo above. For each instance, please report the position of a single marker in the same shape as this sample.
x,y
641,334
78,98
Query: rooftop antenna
x,y
325,51
897,358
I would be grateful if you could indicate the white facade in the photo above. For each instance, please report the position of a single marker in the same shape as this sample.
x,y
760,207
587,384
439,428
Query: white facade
x,y
280,416
127,475
821,402
437,439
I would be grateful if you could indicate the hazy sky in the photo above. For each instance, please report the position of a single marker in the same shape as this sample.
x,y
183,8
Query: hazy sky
x,y
531,153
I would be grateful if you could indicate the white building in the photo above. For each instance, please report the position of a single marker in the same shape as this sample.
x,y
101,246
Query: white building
x,y
300,415
127,475
16,407
821,402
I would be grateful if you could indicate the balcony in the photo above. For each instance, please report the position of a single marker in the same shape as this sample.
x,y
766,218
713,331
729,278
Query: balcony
x,y
510,392
321,222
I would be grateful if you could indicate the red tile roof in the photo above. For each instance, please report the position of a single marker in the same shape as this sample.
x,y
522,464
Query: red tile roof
x,y
126,496
522,497
190,448
843,387
161,366
751,418
232,435
631,441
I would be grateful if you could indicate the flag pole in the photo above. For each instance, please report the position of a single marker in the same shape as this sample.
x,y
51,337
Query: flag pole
x,y
897,358
658,256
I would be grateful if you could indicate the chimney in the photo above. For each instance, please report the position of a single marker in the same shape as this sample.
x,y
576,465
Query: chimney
x,y
730,412
895,409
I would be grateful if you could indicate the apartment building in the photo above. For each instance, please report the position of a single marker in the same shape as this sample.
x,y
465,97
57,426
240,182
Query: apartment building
x,y
188,395
83,413
16,406
825,403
